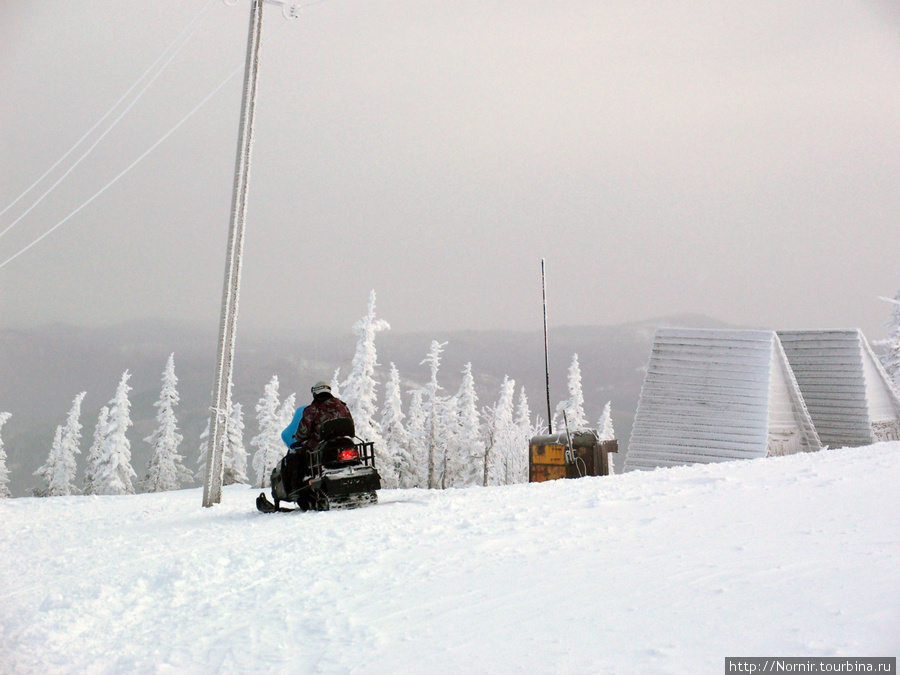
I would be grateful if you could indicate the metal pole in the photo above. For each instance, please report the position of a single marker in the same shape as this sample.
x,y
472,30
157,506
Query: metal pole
x,y
546,350
212,488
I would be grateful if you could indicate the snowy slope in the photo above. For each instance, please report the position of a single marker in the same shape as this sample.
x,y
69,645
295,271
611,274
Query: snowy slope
x,y
666,571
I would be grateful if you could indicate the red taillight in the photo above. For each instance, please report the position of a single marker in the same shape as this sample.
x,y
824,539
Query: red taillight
x,y
347,454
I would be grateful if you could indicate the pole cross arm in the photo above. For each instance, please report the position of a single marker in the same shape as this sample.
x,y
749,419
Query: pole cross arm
x,y
290,10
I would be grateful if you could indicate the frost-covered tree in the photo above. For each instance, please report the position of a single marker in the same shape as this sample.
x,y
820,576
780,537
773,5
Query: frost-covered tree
x,y
71,442
286,412
395,459
4,472
433,413
470,441
234,455
531,426
166,470
890,359
269,446
234,461
451,448
92,466
605,431
58,471
47,471
336,384
114,473
415,475
573,407
527,429
359,390
502,437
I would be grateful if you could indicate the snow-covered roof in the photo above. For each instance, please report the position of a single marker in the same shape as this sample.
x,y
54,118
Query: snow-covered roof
x,y
848,394
716,395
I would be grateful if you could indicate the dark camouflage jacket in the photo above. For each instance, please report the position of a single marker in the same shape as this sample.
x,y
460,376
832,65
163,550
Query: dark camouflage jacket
x,y
323,408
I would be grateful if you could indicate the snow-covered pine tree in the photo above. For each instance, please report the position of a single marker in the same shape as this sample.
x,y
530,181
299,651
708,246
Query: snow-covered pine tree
x,y
92,465
573,407
269,446
234,457
47,470
71,442
530,426
4,472
287,410
605,431
451,449
487,427
166,470
58,471
416,473
502,436
890,359
234,461
358,391
470,440
394,458
114,473
527,429
336,384
432,406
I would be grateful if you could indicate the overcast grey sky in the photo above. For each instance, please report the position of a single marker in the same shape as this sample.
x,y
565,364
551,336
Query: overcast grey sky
x,y
736,159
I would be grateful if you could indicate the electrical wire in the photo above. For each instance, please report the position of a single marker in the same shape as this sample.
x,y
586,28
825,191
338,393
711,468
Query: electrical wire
x,y
141,157
107,114
582,471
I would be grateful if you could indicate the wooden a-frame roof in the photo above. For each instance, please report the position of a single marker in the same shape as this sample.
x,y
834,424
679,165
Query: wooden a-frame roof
x,y
717,395
849,396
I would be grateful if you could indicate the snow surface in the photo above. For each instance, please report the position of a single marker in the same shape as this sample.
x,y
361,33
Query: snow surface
x,y
667,571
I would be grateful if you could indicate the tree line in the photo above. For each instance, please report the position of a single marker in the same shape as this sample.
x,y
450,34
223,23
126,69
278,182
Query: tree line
x,y
437,440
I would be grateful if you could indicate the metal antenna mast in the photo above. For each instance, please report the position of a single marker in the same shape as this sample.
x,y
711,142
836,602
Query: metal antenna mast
x,y
212,488
546,350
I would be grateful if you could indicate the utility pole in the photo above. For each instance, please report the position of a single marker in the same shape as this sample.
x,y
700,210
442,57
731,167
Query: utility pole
x,y
212,489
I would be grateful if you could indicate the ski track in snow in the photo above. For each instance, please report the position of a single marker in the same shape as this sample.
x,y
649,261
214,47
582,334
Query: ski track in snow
x,y
668,571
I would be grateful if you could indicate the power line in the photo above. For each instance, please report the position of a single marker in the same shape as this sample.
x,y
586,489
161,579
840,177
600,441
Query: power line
x,y
108,113
140,158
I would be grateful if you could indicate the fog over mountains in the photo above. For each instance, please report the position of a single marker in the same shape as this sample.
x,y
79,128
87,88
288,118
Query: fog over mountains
x,y
44,368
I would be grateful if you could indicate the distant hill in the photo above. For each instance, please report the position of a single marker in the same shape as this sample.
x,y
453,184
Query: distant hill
x,y
42,369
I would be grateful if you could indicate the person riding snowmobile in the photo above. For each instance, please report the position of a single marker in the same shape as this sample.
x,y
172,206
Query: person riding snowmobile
x,y
287,436
327,466
325,406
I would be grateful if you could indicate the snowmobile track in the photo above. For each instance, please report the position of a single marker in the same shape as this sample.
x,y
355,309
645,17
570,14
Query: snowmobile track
x,y
342,503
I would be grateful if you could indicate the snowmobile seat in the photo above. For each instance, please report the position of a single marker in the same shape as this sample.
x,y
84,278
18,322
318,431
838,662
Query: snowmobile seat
x,y
337,437
337,428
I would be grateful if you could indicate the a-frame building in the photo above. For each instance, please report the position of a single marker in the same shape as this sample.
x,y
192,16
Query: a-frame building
x,y
718,395
849,395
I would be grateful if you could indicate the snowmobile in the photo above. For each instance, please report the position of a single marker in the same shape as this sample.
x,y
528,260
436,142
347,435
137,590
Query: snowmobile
x,y
339,473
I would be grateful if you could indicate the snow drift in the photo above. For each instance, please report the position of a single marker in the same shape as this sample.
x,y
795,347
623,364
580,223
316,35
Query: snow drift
x,y
667,571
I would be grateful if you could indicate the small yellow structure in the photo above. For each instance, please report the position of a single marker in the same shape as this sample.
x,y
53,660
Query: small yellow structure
x,y
548,460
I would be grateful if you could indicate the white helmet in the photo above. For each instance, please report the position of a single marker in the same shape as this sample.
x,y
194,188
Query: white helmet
x,y
320,387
